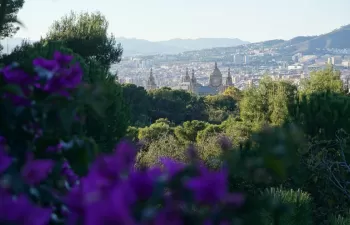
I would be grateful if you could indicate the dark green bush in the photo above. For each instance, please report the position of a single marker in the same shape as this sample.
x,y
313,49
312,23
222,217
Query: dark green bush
x,y
299,206
339,220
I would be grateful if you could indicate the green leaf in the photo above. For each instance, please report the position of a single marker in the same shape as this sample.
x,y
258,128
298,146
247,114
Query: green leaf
x,y
67,118
276,166
13,89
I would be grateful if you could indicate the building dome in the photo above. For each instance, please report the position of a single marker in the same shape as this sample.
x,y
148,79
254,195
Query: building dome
x,y
215,79
216,72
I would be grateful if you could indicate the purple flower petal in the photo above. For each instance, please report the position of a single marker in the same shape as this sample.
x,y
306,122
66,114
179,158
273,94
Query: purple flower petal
x,y
21,211
5,160
171,166
209,188
18,76
235,198
62,59
50,65
142,184
55,149
35,171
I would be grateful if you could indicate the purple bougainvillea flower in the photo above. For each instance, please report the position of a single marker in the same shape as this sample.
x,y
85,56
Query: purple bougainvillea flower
x,y
90,190
55,148
67,171
24,82
210,187
168,215
61,76
17,100
5,160
35,171
20,210
38,216
142,184
62,59
64,79
18,76
50,65
125,155
236,199
2,140
171,166
154,173
118,206
114,166
74,77
97,201
105,166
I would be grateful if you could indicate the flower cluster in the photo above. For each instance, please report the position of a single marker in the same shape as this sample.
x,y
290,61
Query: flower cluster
x,y
56,76
113,191
19,209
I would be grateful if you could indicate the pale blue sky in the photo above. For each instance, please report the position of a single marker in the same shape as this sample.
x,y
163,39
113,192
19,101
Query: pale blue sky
x,y
249,20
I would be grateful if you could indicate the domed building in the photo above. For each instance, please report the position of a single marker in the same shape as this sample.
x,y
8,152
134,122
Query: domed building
x,y
215,78
214,87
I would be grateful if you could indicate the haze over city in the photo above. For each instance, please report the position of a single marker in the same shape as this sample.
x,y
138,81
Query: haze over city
x,y
155,20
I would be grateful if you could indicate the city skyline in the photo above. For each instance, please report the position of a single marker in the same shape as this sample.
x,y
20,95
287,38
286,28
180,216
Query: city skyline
x,y
157,20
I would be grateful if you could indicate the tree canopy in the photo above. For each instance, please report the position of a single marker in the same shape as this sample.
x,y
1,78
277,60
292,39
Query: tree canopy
x,y
322,81
87,35
8,17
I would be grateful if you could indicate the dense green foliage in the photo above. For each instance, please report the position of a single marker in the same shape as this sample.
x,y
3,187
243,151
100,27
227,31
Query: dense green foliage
x,y
319,107
86,34
300,202
8,17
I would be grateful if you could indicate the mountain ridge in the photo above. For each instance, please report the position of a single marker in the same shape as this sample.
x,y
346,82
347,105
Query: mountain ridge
x,y
134,46
337,38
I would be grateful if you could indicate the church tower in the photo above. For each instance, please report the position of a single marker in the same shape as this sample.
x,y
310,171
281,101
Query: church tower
x,y
193,78
186,78
151,82
193,82
228,81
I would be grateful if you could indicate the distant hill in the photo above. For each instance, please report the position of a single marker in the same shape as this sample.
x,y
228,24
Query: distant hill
x,y
203,43
174,46
339,38
133,46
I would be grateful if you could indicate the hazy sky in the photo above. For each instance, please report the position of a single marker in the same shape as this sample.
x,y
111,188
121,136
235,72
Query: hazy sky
x,y
249,20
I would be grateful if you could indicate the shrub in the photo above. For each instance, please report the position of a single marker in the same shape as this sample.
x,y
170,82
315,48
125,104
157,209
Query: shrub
x,y
209,150
299,202
339,220
164,146
155,131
